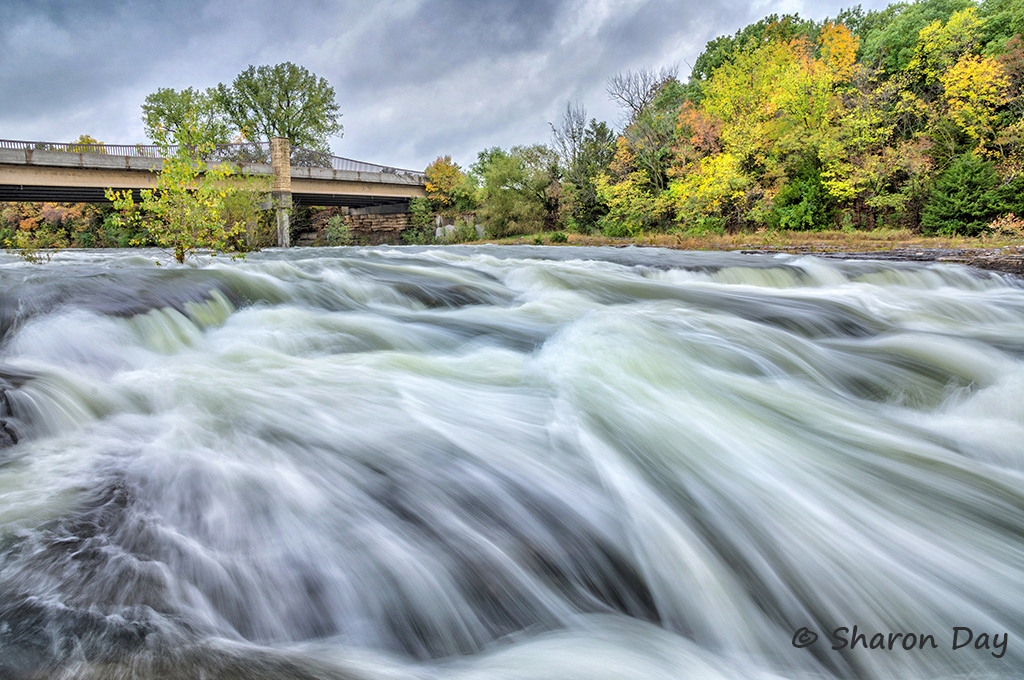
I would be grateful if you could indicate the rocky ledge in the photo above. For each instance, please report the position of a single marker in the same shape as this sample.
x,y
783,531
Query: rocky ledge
x,y
1009,260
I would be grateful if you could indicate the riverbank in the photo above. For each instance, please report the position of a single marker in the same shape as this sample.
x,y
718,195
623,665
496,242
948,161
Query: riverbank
x,y
1005,255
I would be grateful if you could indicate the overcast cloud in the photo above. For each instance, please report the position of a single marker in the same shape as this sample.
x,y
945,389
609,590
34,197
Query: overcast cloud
x,y
415,78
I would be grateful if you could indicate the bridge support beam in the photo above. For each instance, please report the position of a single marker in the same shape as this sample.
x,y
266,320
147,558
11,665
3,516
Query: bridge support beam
x,y
281,188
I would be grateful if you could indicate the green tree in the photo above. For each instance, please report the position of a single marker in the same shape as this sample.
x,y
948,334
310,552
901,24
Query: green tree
x,y
191,115
584,151
484,159
802,202
284,100
891,43
1003,20
187,209
965,198
517,196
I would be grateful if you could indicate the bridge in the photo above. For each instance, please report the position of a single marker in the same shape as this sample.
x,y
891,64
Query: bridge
x,y
81,173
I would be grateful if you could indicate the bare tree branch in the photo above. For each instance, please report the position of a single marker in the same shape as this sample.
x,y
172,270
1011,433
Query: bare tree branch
x,y
636,90
568,137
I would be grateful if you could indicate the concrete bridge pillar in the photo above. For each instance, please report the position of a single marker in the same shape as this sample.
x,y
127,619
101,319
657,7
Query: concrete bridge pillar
x,y
281,188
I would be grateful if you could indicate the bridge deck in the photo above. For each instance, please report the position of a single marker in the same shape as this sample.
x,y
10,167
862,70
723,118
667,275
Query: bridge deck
x,y
43,175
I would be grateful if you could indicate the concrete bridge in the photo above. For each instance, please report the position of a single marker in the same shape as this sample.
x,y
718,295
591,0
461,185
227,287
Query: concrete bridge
x,y
81,173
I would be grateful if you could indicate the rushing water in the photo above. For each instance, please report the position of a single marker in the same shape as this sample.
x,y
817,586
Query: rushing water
x,y
508,462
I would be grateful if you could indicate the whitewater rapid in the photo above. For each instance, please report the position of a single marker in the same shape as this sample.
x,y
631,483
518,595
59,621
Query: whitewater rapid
x,y
509,462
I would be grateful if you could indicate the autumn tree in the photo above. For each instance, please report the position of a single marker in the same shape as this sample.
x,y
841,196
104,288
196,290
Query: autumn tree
x,y
723,49
941,44
871,119
975,87
765,114
87,144
448,188
890,45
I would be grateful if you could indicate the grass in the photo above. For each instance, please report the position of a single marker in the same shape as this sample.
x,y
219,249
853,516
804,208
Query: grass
x,y
790,241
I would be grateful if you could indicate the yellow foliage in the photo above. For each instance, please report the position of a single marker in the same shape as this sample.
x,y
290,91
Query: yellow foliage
x,y
86,144
444,177
772,97
715,181
941,45
624,160
631,204
186,211
975,87
839,51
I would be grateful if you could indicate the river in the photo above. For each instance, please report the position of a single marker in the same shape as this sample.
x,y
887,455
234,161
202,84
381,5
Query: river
x,y
509,462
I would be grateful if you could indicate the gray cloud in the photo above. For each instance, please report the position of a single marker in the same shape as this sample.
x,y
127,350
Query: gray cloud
x,y
415,78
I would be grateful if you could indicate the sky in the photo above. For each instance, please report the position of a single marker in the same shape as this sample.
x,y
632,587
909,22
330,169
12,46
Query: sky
x,y
415,79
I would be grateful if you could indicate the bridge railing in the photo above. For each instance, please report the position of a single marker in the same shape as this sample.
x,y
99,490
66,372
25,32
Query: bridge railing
x,y
246,152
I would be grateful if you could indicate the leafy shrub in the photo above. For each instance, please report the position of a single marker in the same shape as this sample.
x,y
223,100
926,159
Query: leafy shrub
x,y
1008,226
338,233
417,237
241,213
422,213
559,237
616,229
463,231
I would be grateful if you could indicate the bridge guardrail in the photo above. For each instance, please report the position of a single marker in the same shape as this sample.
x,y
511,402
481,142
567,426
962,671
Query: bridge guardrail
x,y
246,152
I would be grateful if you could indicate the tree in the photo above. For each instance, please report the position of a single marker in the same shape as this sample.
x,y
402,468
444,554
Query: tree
x,y
839,51
964,199
447,187
484,160
891,43
802,201
636,90
186,211
940,45
723,49
87,144
191,115
584,151
568,136
1003,20
282,101
975,88
516,197
751,152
